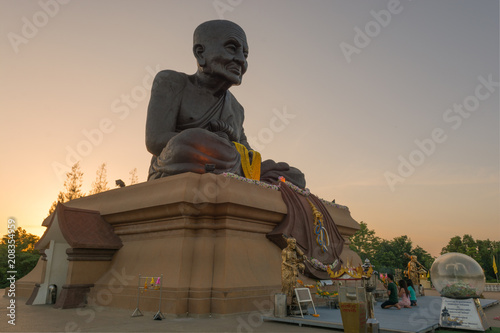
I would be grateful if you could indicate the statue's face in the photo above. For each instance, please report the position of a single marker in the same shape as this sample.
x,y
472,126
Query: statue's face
x,y
226,55
292,244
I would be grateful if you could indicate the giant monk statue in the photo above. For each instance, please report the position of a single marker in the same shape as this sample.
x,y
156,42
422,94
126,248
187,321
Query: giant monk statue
x,y
195,124
194,120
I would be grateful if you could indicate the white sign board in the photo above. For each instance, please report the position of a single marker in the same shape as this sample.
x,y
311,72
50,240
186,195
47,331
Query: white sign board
x,y
304,295
464,314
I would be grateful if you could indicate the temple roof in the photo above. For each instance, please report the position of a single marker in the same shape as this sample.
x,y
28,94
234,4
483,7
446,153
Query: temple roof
x,y
80,228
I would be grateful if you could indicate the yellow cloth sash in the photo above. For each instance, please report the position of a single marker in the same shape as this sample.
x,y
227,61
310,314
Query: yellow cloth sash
x,y
251,170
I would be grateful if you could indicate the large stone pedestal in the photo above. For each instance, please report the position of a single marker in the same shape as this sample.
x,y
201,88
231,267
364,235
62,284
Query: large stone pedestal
x,y
204,233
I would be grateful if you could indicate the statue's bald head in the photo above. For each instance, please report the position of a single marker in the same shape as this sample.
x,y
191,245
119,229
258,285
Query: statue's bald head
x,y
221,49
206,31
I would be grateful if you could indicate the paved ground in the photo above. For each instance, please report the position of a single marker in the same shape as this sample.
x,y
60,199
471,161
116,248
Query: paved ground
x,y
423,318
44,318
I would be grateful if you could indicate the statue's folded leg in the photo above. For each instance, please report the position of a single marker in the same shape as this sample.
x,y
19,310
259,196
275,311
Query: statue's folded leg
x,y
191,150
271,171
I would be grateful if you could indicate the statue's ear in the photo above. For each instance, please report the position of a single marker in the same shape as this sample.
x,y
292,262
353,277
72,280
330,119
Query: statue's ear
x,y
198,50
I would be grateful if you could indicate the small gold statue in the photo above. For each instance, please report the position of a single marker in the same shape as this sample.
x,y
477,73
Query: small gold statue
x,y
412,272
292,259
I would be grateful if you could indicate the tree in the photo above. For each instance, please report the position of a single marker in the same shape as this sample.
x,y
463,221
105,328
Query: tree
x,y
72,187
423,257
486,251
454,245
26,256
483,251
387,255
390,254
134,179
470,246
73,183
364,242
385,259
101,183
400,246
466,245
60,198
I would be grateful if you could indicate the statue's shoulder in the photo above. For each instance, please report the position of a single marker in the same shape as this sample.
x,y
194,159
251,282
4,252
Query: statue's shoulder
x,y
234,102
172,75
171,79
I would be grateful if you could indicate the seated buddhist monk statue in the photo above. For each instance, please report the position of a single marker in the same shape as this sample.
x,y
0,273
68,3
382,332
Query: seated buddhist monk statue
x,y
194,120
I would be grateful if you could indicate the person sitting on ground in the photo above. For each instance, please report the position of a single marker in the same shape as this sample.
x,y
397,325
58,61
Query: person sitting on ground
x,y
413,296
392,291
404,294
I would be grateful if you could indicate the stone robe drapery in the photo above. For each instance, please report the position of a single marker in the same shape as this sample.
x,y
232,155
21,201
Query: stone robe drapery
x,y
298,223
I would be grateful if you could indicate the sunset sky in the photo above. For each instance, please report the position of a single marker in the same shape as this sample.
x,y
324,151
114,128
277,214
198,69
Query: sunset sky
x,y
389,107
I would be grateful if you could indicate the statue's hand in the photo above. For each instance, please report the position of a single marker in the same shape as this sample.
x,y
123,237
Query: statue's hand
x,y
222,129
